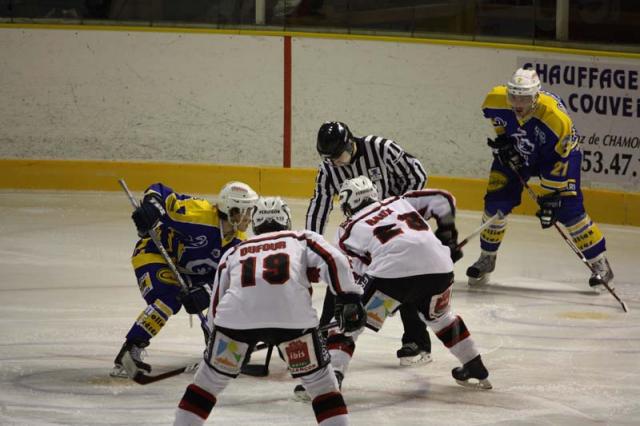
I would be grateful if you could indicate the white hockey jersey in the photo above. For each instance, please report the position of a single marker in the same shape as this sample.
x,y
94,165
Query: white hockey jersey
x,y
264,281
391,238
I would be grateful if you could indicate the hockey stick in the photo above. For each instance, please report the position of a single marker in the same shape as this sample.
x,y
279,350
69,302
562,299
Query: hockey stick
x,y
144,379
321,329
262,370
156,240
498,216
571,244
259,370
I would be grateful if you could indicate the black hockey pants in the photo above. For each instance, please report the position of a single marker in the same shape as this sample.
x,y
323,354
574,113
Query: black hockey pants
x,y
415,331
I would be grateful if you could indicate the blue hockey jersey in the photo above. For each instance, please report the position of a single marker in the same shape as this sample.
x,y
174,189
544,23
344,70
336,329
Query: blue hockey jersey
x,y
191,233
546,139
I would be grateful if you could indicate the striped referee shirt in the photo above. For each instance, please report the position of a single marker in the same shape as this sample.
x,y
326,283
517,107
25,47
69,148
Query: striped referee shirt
x,y
389,167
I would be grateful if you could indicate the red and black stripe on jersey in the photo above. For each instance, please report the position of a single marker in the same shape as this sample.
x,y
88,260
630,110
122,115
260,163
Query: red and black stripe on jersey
x,y
427,192
216,296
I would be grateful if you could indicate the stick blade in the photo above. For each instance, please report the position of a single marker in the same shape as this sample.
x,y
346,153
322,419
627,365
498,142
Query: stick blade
x,y
255,370
144,379
624,306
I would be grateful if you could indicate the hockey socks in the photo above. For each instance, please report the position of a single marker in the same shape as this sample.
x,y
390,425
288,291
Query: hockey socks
x,y
330,409
195,402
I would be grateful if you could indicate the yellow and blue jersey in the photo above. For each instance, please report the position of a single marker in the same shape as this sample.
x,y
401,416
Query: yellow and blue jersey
x,y
191,233
546,139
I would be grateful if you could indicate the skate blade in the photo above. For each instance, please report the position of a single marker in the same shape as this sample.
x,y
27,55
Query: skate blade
x,y
191,368
119,373
478,282
410,361
600,289
597,290
300,394
475,384
302,397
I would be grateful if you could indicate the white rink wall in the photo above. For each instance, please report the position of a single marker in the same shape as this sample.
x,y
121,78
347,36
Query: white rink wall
x,y
218,98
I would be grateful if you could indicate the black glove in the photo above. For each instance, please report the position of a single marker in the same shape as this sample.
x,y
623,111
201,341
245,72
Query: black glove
x,y
448,236
197,299
349,312
504,149
147,215
549,205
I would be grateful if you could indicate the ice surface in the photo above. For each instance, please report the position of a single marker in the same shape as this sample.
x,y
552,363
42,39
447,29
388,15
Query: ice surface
x,y
556,353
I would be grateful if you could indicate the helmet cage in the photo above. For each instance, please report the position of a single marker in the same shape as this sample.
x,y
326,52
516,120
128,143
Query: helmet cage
x,y
235,197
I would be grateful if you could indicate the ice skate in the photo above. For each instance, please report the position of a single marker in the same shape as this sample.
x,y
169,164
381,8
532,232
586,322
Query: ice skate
x,y
119,372
602,274
118,369
472,375
128,362
302,395
478,273
410,354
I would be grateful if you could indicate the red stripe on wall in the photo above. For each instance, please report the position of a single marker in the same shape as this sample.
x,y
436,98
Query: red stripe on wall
x,y
286,151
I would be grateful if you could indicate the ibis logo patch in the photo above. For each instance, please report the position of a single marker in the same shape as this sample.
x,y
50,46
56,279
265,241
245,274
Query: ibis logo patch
x,y
298,354
497,181
301,355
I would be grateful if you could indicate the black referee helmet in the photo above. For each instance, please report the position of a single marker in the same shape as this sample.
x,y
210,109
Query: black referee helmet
x,y
333,139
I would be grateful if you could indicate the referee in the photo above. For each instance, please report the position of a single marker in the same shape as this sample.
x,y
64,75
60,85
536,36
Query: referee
x,y
394,172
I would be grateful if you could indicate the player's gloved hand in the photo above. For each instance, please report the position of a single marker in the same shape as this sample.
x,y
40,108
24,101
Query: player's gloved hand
x,y
197,299
448,236
349,312
504,149
147,215
549,205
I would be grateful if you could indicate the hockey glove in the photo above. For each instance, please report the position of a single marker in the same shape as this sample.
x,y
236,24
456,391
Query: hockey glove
x,y
349,312
197,299
549,205
504,149
448,236
147,215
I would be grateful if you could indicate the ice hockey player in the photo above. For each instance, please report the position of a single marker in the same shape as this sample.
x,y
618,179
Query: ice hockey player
x,y
394,172
536,138
262,293
401,260
195,233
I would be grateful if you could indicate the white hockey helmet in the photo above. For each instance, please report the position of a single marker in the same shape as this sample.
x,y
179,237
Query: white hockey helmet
x,y
524,82
236,195
270,214
357,193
